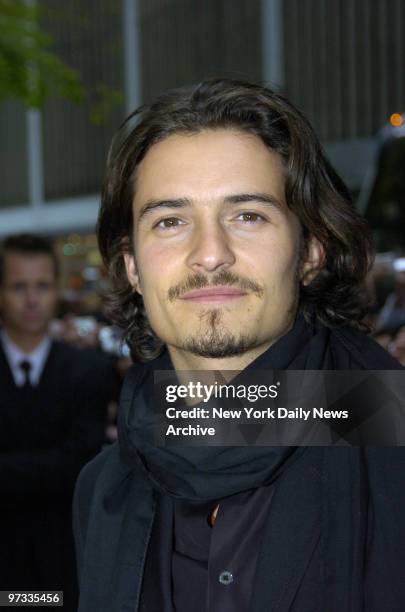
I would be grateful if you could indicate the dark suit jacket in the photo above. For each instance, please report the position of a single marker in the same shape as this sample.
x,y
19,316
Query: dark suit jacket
x,y
115,538
46,435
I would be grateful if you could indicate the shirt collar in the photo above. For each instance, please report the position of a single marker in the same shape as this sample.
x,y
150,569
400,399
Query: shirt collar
x,y
15,355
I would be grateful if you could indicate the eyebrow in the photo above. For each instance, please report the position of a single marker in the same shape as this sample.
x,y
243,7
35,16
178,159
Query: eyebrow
x,y
238,198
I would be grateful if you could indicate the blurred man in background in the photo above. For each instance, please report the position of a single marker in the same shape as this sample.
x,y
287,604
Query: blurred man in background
x,y
53,402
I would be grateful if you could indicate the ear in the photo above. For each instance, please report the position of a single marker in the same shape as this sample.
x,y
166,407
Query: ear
x,y
312,261
132,272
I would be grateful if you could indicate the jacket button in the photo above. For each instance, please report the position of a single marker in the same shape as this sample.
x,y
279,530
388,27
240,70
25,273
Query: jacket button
x,y
225,577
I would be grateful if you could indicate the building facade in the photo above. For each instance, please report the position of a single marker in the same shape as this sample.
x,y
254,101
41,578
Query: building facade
x,y
341,62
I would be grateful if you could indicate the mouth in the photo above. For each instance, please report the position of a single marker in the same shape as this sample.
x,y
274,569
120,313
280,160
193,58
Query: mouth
x,y
32,316
213,294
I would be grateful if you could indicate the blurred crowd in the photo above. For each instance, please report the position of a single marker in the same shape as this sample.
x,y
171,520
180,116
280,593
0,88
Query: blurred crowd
x,y
385,292
95,332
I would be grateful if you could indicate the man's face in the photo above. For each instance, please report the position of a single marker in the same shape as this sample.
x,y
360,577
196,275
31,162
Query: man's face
x,y
218,254
28,294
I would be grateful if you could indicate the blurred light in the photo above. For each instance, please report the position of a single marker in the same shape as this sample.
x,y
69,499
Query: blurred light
x,y
69,249
75,282
91,274
399,264
94,258
396,119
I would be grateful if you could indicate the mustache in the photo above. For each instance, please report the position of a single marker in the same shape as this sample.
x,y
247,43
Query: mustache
x,y
199,281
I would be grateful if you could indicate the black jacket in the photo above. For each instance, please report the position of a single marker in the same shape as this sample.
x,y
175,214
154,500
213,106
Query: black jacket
x,y
112,531
47,433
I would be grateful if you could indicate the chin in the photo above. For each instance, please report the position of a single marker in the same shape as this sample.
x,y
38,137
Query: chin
x,y
219,344
35,330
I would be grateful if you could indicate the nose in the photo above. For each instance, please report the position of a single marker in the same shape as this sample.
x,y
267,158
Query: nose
x,y
31,296
211,249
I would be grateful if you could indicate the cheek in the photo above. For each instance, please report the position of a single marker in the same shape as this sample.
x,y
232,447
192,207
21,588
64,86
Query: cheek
x,y
153,285
50,302
273,262
156,265
14,302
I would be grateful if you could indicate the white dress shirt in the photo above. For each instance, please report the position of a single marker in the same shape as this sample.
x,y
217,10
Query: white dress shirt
x,y
36,359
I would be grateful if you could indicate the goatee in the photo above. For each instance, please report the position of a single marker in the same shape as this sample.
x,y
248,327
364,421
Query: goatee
x,y
217,343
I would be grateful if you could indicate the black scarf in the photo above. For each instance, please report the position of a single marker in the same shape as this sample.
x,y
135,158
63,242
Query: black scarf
x,y
336,498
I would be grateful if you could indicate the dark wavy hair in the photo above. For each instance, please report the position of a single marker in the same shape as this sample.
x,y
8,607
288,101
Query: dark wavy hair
x,y
314,192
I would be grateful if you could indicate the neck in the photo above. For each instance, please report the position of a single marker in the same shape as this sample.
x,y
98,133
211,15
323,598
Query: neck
x,y
26,342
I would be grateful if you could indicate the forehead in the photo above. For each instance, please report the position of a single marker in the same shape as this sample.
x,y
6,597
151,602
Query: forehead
x,y
27,266
209,164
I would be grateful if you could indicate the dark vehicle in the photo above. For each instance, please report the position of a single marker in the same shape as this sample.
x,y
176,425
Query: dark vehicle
x,y
382,198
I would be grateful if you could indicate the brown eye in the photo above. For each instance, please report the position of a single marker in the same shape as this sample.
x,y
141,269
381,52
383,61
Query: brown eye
x,y
251,217
168,223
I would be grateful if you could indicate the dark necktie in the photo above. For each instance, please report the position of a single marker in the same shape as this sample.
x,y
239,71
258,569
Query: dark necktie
x,y
26,368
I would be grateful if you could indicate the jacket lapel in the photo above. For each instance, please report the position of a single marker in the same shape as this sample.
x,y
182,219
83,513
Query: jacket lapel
x,y
292,534
116,544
